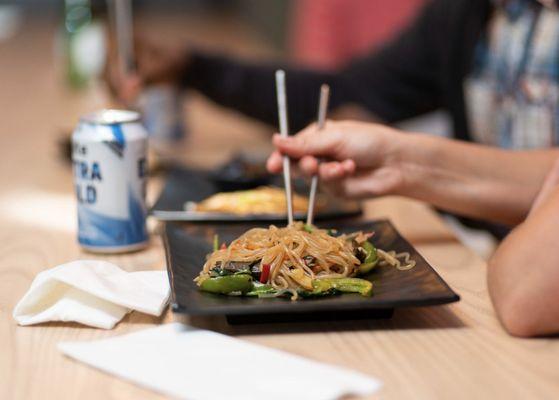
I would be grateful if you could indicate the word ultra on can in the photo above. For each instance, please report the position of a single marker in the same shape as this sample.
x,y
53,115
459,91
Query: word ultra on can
x,y
109,150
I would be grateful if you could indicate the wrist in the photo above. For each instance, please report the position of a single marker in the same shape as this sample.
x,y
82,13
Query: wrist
x,y
411,155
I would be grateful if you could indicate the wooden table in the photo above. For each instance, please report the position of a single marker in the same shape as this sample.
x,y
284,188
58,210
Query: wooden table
x,y
457,351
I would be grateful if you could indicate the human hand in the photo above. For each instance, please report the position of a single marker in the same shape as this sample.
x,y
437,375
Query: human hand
x,y
155,63
360,160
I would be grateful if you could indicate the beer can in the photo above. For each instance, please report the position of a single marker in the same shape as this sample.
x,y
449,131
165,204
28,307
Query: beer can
x,y
109,154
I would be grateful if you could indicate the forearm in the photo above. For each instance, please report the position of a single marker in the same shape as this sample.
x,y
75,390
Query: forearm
x,y
470,179
523,275
398,82
249,87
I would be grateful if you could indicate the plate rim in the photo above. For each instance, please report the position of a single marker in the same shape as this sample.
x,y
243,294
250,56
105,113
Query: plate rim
x,y
196,216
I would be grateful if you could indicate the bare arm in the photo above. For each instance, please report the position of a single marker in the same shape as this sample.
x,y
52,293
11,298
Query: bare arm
x,y
369,160
471,179
523,275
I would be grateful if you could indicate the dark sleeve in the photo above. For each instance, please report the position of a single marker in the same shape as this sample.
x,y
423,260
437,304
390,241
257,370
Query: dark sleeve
x,y
399,81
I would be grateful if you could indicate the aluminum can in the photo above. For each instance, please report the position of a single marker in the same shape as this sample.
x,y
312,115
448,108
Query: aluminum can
x,y
109,154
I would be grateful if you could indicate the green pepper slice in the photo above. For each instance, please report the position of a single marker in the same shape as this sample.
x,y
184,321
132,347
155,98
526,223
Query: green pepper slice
x,y
345,285
371,260
228,284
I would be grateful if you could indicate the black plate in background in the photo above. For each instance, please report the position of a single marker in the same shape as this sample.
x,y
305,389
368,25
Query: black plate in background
x,y
186,248
185,185
241,172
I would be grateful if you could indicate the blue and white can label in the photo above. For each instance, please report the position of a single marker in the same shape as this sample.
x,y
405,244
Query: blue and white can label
x,y
109,153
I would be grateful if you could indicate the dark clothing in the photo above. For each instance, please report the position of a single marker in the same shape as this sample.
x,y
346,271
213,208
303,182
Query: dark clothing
x,y
420,71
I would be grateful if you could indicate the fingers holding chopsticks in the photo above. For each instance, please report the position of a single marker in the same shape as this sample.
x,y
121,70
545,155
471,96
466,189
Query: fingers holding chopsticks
x,y
310,141
310,165
356,159
308,146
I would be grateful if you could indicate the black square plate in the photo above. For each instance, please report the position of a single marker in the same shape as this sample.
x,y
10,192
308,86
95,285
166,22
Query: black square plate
x,y
185,185
187,245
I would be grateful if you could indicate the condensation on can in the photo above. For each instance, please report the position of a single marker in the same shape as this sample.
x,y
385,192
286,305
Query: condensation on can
x,y
109,154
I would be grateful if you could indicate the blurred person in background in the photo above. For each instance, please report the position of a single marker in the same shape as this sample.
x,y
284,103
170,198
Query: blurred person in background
x,y
328,34
365,160
491,64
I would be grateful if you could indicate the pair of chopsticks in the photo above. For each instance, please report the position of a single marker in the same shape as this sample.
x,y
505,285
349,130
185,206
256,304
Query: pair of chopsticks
x,y
284,131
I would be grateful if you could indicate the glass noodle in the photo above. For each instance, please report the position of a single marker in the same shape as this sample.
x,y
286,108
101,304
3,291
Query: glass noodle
x,y
296,255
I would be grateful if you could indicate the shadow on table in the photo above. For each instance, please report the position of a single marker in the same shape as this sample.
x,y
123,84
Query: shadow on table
x,y
440,317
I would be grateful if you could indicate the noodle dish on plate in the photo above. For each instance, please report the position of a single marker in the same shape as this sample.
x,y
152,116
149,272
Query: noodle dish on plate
x,y
297,261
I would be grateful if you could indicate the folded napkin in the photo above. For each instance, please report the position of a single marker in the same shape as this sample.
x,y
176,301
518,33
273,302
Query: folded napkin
x,y
188,363
91,292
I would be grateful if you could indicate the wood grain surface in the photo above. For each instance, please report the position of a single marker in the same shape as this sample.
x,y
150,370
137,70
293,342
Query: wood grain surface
x,y
457,351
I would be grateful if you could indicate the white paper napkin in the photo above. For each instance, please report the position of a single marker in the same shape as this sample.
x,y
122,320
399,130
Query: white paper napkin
x,y
91,292
189,363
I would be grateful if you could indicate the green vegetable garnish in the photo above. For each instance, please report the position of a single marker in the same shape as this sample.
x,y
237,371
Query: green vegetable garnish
x,y
308,228
216,242
228,284
345,285
371,260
